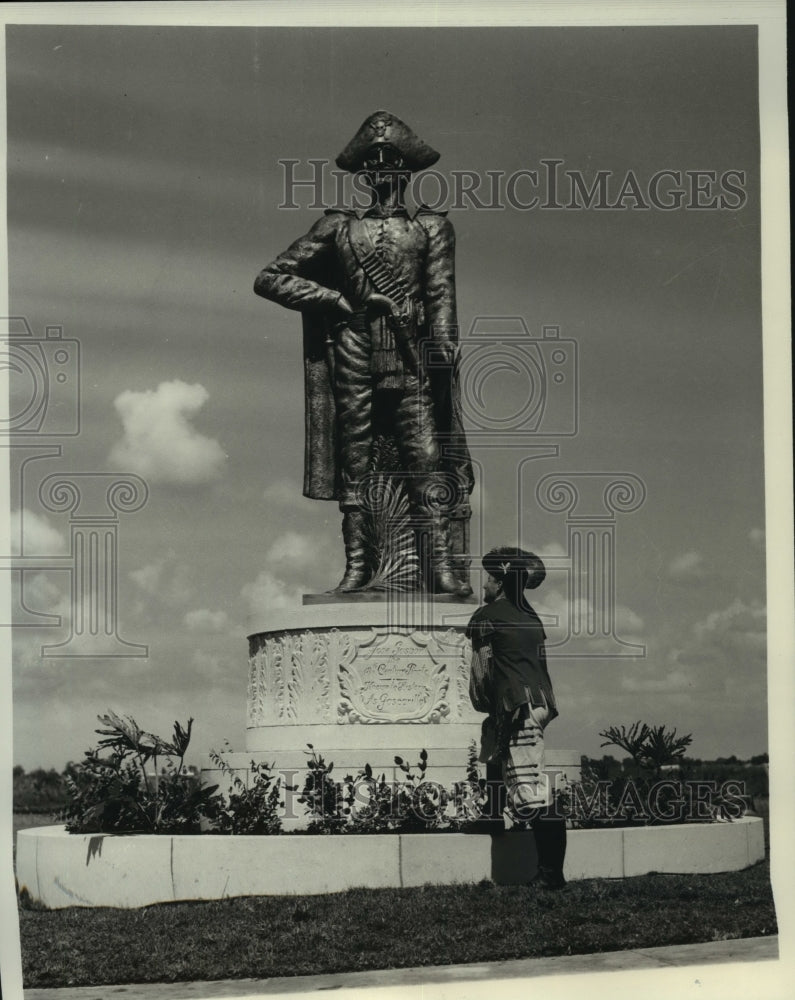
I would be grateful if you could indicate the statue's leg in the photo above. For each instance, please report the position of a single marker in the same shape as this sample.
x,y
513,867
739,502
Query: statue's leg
x,y
431,492
353,394
357,569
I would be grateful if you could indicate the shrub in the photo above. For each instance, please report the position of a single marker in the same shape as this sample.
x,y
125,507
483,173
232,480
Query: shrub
x,y
39,791
253,808
470,795
328,803
656,785
373,804
420,804
111,791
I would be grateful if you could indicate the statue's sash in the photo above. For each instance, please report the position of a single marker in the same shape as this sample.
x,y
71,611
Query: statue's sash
x,y
383,279
387,364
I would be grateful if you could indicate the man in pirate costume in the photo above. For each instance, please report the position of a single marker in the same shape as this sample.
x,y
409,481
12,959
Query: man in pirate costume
x,y
376,289
509,680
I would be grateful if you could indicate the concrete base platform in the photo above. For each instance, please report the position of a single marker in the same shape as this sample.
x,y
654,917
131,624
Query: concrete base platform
x,y
61,869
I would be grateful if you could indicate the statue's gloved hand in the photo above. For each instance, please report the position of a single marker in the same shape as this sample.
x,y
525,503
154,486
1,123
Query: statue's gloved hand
x,y
381,305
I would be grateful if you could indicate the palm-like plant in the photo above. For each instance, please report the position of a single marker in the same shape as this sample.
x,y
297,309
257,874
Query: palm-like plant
x,y
389,540
651,747
632,739
113,791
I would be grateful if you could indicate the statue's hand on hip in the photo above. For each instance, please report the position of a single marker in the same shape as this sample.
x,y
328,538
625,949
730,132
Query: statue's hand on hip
x,y
343,307
381,305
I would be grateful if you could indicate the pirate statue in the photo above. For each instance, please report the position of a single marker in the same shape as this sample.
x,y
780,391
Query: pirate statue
x,y
377,294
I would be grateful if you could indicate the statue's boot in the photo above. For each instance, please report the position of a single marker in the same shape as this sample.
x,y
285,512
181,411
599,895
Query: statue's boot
x,y
439,572
356,569
549,831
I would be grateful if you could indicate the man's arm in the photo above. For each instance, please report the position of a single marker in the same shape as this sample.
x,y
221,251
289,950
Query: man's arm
x,y
481,682
286,280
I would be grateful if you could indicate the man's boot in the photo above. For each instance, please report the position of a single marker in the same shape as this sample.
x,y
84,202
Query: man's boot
x,y
356,568
549,831
437,565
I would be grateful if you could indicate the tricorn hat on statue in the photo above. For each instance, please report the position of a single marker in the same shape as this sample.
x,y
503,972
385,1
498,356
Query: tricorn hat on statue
x,y
382,128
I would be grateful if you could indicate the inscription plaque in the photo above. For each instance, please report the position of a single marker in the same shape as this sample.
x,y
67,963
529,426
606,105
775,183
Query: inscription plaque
x,y
394,680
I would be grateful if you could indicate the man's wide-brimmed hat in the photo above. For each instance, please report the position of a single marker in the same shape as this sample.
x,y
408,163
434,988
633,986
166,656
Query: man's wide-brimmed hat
x,y
382,128
506,560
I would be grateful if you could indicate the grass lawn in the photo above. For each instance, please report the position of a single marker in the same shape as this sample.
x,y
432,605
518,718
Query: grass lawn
x,y
268,936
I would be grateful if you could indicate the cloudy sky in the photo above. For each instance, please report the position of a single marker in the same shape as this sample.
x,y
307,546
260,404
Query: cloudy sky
x,y
143,192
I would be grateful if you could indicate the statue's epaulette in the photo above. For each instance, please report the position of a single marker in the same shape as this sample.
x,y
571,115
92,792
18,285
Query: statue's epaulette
x,y
339,211
424,210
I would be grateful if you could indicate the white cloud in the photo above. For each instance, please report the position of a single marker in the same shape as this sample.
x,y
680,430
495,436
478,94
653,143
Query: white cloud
x,y
549,601
37,593
627,621
740,628
33,534
687,566
291,552
303,559
629,626
728,642
480,500
159,441
148,577
296,565
204,620
552,550
269,593
164,583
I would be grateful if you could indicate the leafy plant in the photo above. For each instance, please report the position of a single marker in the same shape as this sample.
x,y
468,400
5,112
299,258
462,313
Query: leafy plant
x,y
327,802
664,748
369,804
420,804
470,795
38,791
372,803
637,796
111,789
632,739
651,747
253,808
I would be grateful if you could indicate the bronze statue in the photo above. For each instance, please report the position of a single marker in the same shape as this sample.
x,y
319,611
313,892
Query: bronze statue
x,y
377,294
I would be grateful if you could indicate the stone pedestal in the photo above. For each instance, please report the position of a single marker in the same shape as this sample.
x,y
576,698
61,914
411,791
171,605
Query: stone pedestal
x,y
363,681
360,678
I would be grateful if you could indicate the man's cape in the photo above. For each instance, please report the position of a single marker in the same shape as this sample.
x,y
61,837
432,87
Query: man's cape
x,y
322,473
